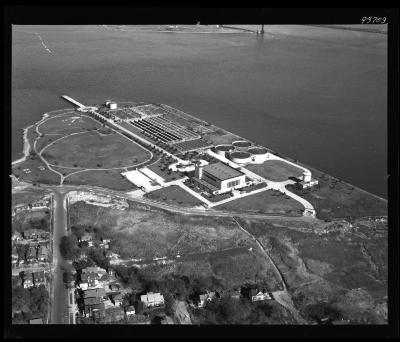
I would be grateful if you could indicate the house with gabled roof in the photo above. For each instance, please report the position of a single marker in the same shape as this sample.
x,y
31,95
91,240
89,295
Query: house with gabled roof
x,y
28,280
204,298
31,254
39,278
43,253
152,299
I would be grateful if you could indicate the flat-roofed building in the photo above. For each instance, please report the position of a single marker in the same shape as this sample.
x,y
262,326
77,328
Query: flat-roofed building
x,y
221,177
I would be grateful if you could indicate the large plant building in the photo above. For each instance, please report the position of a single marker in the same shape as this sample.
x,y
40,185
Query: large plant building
x,y
218,178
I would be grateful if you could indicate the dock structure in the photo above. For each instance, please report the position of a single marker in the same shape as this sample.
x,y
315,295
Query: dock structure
x,y
76,103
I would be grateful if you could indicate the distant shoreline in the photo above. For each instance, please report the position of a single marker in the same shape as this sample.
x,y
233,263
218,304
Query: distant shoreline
x,y
228,30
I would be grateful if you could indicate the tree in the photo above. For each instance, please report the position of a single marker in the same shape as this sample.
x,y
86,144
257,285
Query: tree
x,y
69,247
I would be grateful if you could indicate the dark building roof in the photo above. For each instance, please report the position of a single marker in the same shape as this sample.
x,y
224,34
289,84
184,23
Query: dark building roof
x,y
222,171
91,301
100,292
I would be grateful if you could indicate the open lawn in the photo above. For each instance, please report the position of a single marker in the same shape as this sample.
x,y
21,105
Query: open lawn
x,y
265,202
36,175
27,196
332,198
174,195
68,123
275,170
92,150
111,179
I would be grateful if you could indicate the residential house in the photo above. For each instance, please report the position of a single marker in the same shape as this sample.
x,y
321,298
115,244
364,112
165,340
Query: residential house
x,y
235,294
43,253
204,298
99,292
114,286
36,321
130,310
95,310
28,280
152,299
39,278
257,295
105,243
112,255
115,313
88,238
16,236
92,277
14,256
35,234
117,299
31,254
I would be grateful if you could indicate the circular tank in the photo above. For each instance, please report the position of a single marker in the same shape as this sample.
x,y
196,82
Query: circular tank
x,y
222,149
258,154
241,143
240,157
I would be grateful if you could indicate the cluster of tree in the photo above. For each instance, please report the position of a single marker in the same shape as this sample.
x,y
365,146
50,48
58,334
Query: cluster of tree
x,y
69,247
29,303
227,310
178,286
20,225
322,310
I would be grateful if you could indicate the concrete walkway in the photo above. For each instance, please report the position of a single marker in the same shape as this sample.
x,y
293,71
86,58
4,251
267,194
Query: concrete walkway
x,y
281,186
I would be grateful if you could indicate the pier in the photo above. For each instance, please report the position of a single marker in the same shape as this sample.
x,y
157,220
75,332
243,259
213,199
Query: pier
x,y
76,103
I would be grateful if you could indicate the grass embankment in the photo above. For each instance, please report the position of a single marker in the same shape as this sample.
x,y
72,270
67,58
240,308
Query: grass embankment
x,y
174,195
266,202
152,233
110,179
332,268
334,198
276,170
27,196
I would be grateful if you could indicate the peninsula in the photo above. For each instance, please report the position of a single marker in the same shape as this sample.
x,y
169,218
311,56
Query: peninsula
x,y
142,195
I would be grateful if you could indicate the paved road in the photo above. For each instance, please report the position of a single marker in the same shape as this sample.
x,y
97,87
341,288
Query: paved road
x,y
59,310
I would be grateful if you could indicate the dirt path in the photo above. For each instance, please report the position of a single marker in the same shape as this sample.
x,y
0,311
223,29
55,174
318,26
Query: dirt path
x,y
181,313
282,297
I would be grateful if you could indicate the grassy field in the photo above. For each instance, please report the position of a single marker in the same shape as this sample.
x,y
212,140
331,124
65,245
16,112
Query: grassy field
x,y
265,202
95,151
174,195
332,198
68,123
329,267
218,139
27,219
111,179
152,233
36,175
275,170
27,196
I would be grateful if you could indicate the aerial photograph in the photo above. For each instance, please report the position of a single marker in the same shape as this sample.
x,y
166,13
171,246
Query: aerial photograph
x,y
199,174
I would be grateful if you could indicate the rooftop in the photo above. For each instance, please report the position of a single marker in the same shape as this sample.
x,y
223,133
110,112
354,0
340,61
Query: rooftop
x,y
222,171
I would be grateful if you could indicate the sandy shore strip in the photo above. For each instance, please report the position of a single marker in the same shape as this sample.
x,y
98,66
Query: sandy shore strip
x,y
27,146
